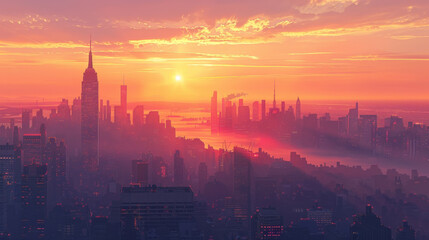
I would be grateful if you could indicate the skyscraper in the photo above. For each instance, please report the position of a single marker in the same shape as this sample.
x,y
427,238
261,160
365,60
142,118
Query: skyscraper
x,y
26,116
108,112
369,226
138,116
354,122
179,169
255,109
124,97
274,99
56,160
159,212
101,112
123,116
214,121
89,120
241,184
140,172
298,109
263,111
32,149
10,178
33,202
368,131
76,110
267,224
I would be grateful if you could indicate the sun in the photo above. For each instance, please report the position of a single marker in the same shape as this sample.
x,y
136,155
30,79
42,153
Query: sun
x,y
178,78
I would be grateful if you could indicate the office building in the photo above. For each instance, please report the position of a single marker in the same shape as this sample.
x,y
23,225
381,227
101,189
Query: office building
x,y
89,118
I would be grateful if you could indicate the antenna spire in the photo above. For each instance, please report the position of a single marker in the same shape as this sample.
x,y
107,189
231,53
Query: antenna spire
x,y
90,52
274,101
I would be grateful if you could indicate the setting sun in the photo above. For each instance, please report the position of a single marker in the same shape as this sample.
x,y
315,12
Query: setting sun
x,y
178,78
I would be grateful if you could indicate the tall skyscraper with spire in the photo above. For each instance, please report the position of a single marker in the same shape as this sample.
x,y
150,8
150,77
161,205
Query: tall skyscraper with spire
x,y
214,120
89,124
298,109
274,99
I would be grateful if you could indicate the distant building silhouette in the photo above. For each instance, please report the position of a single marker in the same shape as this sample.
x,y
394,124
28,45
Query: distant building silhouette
x,y
267,224
263,110
32,149
33,202
353,117
140,172
369,227
10,179
89,119
140,214
242,185
213,115
138,116
298,110
179,169
255,111
56,159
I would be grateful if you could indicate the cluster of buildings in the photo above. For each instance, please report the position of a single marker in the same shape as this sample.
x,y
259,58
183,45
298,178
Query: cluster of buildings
x,y
393,138
98,178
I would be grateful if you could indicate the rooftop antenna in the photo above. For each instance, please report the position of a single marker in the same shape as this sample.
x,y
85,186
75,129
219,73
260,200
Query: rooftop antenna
x,y
274,102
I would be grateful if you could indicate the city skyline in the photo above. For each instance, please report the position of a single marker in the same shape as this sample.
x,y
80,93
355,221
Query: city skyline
x,y
202,120
298,44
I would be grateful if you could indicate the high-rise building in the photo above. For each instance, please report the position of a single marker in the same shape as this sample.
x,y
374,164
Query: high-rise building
x,y
10,178
152,119
322,217
56,160
63,110
121,115
179,169
101,112
214,120
354,122
15,136
298,110
369,226
33,202
242,184
140,172
124,98
263,110
76,110
43,136
108,112
89,120
26,116
274,98
255,109
140,215
266,224
368,131
32,149
243,117
138,116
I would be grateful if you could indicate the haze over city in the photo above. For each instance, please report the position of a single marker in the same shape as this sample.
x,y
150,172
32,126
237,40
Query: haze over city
x,y
213,120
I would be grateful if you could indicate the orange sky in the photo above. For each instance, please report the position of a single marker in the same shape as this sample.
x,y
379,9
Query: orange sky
x,y
315,49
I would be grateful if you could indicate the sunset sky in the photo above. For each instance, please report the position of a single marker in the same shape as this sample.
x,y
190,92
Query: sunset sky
x,y
315,49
